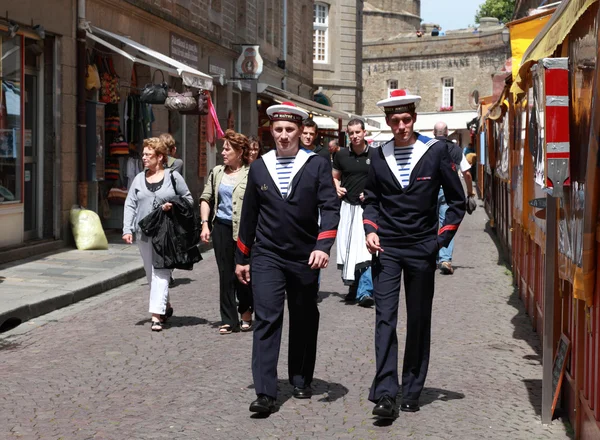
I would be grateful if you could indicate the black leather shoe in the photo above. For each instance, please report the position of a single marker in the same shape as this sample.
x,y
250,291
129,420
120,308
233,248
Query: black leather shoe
x,y
409,407
385,408
263,405
302,393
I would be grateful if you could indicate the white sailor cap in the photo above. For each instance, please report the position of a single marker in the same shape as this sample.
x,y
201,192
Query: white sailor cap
x,y
400,101
286,111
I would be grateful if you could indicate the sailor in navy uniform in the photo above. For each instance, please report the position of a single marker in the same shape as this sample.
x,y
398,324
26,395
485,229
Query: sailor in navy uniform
x,y
401,224
279,228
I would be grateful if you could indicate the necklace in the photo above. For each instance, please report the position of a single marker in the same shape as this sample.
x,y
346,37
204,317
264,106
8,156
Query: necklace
x,y
234,171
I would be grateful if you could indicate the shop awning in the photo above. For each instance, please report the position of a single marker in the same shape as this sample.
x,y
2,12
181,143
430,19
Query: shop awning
x,y
522,33
326,123
191,77
552,34
280,95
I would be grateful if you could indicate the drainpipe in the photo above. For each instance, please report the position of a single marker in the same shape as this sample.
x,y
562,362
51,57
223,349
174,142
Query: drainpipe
x,y
284,45
82,187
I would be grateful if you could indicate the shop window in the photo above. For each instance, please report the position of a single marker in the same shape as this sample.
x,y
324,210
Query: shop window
x,y
392,85
10,120
320,32
447,93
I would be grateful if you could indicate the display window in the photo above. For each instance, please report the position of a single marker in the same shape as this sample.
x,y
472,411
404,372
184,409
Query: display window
x,y
11,158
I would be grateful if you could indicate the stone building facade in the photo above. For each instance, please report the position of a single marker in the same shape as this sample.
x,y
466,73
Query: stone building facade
x,y
337,68
449,71
387,18
215,29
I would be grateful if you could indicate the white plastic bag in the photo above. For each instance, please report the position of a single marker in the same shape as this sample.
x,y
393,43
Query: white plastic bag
x,y
87,229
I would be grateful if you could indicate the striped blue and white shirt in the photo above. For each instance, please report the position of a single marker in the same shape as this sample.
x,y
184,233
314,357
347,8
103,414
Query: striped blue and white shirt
x,y
283,166
404,160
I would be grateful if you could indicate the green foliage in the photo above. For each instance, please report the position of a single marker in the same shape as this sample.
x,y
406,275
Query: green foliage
x,y
501,9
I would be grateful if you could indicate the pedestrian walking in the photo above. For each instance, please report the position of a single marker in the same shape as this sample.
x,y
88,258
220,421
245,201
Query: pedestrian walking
x,y
309,138
153,188
280,249
350,171
440,131
255,150
224,194
401,225
173,162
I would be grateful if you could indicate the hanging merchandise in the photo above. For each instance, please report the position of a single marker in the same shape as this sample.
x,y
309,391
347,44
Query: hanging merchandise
x,y
180,101
92,77
112,121
119,147
111,172
218,131
117,196
155,93
201,107
109,80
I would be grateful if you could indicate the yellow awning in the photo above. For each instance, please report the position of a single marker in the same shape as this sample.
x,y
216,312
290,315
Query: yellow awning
x,y
554,33
522,33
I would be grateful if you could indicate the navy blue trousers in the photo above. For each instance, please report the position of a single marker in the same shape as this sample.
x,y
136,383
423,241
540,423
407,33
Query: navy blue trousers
x,y
417,262
271,277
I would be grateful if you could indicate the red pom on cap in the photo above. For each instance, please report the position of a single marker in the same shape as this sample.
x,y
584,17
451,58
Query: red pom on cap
x,y
288,103
396,93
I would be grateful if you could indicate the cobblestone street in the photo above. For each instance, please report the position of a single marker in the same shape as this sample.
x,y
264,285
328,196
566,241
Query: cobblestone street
x,y
94,370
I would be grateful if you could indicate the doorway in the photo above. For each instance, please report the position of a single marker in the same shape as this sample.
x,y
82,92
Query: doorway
x,y
32,136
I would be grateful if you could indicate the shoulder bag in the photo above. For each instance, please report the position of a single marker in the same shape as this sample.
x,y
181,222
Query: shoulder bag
x,y
155,93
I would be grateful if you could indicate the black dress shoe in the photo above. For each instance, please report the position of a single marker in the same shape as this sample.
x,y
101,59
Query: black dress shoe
x,y
385,408
263,405
302,393
409,407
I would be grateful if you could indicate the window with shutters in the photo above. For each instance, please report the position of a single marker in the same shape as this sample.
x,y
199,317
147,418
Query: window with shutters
x,y
447,93
320,32
392,85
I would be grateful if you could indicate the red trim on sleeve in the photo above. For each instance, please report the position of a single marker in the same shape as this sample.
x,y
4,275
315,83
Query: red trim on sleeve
x,y
370,223
327,234
447,228
242,247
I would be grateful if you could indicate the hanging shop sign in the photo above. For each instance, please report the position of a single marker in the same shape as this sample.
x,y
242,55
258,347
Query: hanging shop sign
x,y
184,50
249,65
550,124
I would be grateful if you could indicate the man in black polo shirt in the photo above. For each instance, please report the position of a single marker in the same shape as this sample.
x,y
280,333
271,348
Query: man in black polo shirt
x,y
350,171
309,136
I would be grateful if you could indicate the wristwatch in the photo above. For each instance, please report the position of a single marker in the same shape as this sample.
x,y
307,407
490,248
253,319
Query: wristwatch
x,y
203,221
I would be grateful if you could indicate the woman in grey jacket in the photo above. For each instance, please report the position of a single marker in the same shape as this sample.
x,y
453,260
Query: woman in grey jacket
x,y
151,189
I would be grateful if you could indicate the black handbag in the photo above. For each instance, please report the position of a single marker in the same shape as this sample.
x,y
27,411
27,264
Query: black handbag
x,y
201,107
155,93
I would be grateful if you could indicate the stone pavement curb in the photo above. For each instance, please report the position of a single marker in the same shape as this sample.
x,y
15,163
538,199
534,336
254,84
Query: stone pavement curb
x,y
39,285
74,292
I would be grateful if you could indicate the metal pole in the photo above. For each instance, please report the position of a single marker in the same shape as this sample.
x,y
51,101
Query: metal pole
x,y
284,45
549,292
82,193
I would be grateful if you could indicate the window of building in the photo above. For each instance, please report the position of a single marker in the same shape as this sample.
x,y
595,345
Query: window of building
x,y
304,41
11,155
447,93
320,32
260,12
392,85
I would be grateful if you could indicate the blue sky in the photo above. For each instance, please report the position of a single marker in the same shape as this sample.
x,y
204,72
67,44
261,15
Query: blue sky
x,y
450,14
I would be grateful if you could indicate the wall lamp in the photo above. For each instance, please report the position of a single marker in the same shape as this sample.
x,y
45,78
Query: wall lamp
x,y
40,31
13,28
258,104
